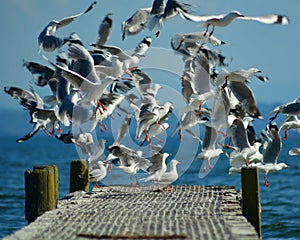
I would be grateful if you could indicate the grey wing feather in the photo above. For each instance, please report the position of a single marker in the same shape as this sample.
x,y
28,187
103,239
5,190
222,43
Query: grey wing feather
x,y
68,20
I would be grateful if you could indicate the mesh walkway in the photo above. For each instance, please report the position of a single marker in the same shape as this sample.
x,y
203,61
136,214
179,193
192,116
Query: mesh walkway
x,y
123,212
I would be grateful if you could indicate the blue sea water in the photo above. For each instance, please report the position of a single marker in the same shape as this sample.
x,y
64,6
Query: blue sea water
x,y
280,201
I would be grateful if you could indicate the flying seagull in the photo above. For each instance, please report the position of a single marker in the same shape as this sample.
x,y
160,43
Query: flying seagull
x,y
226,19
47,41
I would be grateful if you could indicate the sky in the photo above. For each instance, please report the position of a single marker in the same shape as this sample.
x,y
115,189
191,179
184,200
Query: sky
x,y
274,49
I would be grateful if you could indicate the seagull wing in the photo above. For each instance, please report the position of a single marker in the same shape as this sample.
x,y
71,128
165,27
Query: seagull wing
x,y
269,19
104,30
74,78
273,148
201,18
40,73
157,162
245,95
158,7
210,138
68,20
201,77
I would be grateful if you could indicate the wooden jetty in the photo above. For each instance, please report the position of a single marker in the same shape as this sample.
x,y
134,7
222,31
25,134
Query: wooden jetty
x,y
125,212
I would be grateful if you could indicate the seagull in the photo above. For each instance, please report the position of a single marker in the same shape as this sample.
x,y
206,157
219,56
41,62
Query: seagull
x,y
127,62
243,155
226,19
288,108
272,149
130,160
105,107
149,114
291,121
294,151
93,90
97,172
39,116
209,150
47,41
188,120
171,10
196,37
158,168
242,75
87,145
136,23
170,176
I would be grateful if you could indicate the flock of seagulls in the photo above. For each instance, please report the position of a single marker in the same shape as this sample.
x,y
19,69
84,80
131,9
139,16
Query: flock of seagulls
x,y
89,84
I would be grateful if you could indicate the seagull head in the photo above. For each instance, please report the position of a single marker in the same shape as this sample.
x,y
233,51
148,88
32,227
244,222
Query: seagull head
x,y
283,165
236,14
254,70
175,162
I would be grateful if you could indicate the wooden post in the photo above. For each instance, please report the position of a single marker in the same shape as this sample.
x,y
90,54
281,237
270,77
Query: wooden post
x,y
79,179
250,197
41,191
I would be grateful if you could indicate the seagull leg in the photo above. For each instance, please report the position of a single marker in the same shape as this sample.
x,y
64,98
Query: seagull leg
x,y
158,139
226,82
60,130
222,132
123,78
180,134
273,118
136,181
146,138
131,182
171,189
266,181
100,127
179,45
212,31
117,112
102,105
158,186
206,30
47,132
286,134
209,164
131,69
199,109
204,166
157,33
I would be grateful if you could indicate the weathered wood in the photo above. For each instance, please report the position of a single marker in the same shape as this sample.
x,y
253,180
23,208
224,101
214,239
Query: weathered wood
x,y
41,191
250,197
79,179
